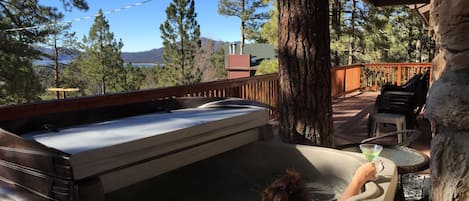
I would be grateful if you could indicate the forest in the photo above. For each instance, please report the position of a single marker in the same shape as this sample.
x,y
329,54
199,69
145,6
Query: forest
x,y
359,33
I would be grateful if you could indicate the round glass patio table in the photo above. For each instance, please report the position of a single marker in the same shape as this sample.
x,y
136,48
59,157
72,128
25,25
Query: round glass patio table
x,y
407,160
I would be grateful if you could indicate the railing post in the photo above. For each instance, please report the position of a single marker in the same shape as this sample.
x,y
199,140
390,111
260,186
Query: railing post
x,y
399,74
345,81
360,75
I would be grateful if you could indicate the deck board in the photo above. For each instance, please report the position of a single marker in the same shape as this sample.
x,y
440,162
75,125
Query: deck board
x,y
351,117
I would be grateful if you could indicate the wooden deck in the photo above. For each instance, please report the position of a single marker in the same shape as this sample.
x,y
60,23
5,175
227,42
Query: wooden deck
x,y
351,117
351,121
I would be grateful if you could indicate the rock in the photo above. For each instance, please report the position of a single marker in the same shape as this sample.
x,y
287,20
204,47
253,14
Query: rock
x,y
438,65
454,31
448,101
457,61
450,157
453,8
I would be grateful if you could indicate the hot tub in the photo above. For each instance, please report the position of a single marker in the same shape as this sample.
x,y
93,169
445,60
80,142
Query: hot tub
x,y
242,174
177,149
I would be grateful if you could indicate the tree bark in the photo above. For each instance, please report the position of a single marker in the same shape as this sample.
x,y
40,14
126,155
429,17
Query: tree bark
x,y
336,13
243,27
351,45
305,80
56,66
447,104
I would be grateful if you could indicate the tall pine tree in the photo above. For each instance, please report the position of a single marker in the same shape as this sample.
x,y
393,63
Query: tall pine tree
x,y
101,61
181,40
269,31
18,81
249,12
63,43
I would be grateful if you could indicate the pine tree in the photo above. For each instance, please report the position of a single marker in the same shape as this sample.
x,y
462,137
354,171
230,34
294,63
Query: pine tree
x,y
219,63
132,77
269,31
74,77
181,40
151,76
305,78
248,12
18,81
63,43
101,61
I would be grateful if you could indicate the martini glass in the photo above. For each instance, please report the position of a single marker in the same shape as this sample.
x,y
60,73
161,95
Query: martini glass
x,y
371,152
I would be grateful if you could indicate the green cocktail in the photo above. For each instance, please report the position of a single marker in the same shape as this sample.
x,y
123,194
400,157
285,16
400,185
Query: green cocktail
x,y
370,155
371,151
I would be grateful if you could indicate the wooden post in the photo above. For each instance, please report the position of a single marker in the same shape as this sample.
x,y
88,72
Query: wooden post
x,y
399,74
360,75
345,81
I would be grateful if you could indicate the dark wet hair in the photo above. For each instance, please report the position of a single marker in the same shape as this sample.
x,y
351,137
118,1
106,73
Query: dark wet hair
x,y
289,187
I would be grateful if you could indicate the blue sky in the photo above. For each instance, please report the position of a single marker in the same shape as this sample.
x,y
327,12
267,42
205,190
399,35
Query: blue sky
x,y
138,27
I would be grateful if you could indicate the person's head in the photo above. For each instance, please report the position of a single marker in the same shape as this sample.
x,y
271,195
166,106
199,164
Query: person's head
x,y
289,187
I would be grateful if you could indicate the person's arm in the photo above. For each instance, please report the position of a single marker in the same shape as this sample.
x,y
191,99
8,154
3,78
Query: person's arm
x,y
365,173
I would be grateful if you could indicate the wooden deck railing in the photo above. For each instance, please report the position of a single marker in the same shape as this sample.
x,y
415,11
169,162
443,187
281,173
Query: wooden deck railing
x,y
345,79
350,78
260,88
265,89
375,75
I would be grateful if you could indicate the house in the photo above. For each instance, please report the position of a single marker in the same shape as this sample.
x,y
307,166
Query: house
x,y
245,65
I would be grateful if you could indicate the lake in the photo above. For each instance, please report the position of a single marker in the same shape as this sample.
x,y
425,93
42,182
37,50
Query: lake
x,y
49,62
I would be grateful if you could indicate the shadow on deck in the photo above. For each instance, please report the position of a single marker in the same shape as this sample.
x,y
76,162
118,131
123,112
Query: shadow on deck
x,y
351,117
351,121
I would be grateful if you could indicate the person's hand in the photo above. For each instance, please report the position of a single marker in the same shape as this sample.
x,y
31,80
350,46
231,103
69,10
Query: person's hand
x,y
365,173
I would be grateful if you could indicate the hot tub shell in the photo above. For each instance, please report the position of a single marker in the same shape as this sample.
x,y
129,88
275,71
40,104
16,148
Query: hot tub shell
x,y
253,162
49,174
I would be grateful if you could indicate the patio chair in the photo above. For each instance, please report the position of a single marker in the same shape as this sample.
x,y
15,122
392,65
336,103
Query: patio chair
x,y
409,86
408,99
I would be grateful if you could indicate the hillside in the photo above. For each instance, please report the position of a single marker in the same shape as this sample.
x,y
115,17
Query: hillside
x,y
155,55
149,56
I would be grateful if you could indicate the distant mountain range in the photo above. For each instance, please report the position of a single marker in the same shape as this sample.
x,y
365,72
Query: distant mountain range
x,y
149,56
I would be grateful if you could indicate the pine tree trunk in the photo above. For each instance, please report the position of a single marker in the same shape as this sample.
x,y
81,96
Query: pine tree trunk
x,y
409,44
56,67
418,47
243,28
103,79
336,12
351,45
305,83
